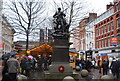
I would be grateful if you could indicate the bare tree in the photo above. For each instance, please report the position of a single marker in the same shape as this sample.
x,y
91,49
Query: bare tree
x,y
25,16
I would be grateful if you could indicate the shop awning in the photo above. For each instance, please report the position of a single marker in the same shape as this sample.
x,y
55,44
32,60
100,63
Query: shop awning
x,y
43,48
73,52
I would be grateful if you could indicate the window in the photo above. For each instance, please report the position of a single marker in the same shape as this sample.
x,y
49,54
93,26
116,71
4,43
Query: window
x,y
102,43
103,29
87,46
108,41
118,22
118,7
97,32
112,23
96,45
108,27
92,45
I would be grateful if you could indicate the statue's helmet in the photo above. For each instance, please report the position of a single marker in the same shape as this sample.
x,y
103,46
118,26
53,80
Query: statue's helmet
x,y
59,9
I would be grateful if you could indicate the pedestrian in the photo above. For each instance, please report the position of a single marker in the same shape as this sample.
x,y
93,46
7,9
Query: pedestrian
x,y
105,67
100,65
33,62
23,65
115,66
13,68
88,65
28,66
5,76
49,61
93,63
45,62
40,62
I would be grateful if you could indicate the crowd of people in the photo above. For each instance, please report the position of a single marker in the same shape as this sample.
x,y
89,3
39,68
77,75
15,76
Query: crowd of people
x,y
103,66
12,66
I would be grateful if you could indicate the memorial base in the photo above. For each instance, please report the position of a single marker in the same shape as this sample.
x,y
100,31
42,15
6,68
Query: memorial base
x,y
55,75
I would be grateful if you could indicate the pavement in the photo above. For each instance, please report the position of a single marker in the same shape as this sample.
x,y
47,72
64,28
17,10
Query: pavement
x,y
94,74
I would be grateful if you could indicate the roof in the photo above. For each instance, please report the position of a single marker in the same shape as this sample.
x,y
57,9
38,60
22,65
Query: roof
x,y
43,48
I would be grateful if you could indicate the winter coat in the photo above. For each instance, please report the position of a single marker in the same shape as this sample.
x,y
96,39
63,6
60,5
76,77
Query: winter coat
x,y
114,64
23,63
13,65
105,65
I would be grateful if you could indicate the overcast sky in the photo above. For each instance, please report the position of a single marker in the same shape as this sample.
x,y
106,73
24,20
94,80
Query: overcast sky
x,y
99,5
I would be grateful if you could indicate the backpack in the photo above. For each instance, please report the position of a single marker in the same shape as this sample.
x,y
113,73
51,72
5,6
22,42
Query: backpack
x,y
28,64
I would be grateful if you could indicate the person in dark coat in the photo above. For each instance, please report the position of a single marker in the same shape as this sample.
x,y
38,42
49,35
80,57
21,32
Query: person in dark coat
x,y
23,65
45,62
105,67
13,68
115,68
5,76
88,65
40,63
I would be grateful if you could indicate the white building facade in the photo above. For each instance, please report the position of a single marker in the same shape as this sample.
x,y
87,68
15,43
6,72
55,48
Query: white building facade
x,y
7,36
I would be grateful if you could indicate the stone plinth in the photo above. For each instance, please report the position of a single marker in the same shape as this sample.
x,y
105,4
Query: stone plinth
x,y
60,67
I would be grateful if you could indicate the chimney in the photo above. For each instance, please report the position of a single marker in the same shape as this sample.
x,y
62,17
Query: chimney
x,y
110,5
92,16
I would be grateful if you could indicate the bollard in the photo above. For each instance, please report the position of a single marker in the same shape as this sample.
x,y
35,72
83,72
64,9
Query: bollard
x,y
21,77
68,78
84,73
106,78
77,68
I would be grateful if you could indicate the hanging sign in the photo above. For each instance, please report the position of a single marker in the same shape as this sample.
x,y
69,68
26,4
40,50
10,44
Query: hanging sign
x,y
114,41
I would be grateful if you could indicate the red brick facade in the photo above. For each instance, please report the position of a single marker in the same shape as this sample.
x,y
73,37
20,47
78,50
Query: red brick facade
x,y
107,28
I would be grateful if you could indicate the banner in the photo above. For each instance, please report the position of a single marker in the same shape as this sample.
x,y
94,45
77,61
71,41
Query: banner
x,y
114,41
1,45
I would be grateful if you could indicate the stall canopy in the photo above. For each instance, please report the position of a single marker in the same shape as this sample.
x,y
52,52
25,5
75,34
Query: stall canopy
x,y
43,48
73,52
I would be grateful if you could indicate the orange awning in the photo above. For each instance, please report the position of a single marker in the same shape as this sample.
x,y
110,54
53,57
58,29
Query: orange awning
x,y
43,48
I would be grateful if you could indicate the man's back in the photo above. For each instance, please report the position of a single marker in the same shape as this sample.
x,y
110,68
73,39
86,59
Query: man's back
x,y
13,65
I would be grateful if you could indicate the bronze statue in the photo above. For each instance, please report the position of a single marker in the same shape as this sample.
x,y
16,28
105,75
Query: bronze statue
x,y
59,20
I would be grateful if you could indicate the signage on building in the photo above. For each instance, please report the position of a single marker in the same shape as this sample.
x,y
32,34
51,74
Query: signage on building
x,y
114,41
1,45
103,54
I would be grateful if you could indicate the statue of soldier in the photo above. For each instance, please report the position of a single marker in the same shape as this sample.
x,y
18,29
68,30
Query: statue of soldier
x,y
59,20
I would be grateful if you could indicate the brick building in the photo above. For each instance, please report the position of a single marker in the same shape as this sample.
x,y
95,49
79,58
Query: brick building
x,y
107,26
96,32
